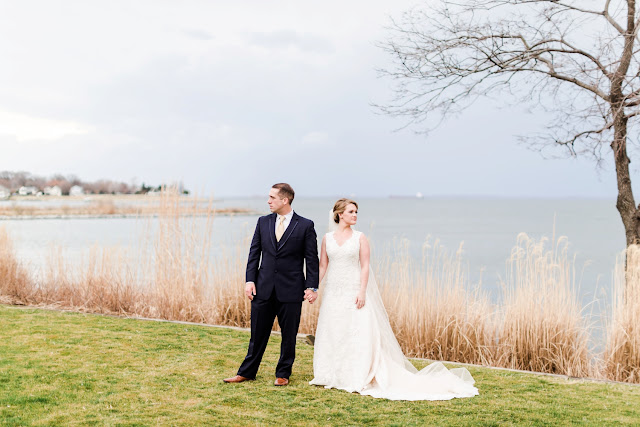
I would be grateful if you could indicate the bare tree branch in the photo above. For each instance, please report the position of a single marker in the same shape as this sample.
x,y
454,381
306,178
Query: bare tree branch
x,y
567,57
610,19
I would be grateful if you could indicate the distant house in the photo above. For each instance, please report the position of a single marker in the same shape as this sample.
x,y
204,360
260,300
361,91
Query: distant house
x,y
53,191
76,190
27,191
4,192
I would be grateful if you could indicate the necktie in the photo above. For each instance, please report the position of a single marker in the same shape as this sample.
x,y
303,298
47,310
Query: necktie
x,y
280,229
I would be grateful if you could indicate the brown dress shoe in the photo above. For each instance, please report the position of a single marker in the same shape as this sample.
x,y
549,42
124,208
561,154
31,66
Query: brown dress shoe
x,y
281,381
236,379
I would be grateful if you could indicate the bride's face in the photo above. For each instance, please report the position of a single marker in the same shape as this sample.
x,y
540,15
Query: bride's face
x,y
350,215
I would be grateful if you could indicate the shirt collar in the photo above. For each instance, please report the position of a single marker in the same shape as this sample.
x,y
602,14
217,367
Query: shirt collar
x,y
287,216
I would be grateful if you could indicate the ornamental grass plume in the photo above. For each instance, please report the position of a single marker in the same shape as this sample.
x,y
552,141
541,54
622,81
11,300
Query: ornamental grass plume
x,y
16,286
541,326
434,310
621,361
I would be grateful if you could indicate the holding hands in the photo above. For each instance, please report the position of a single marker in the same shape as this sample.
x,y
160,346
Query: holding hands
x,y
310,295
250,292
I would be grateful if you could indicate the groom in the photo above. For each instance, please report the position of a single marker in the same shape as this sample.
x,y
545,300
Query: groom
x,y
285,240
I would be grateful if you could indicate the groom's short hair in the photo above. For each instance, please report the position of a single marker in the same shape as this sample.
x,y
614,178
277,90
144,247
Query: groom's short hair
x,y
285,190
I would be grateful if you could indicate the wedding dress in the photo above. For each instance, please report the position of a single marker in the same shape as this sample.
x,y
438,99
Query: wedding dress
x,y
356,350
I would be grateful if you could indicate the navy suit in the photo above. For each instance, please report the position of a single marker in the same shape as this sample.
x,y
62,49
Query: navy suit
x,y
280,284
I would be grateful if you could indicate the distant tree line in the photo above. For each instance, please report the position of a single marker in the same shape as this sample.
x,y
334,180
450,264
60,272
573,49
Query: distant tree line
x,y
14,180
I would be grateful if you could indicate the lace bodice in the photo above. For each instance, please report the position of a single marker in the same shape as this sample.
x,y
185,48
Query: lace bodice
x,y
343,273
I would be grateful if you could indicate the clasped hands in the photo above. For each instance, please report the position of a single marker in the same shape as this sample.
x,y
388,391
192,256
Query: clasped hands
x,y
250,292
310,295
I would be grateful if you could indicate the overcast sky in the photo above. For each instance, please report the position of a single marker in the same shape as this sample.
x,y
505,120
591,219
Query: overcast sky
x,y
231,97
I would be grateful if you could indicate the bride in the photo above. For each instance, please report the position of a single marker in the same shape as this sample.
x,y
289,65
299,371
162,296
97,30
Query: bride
x,y
355,348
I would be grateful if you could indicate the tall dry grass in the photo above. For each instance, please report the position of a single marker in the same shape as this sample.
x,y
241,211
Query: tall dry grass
x,y
621,361
540,325
537,323
171,276
16,286
433,309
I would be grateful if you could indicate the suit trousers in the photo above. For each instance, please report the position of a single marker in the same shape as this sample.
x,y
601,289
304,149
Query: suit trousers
x,y
263,314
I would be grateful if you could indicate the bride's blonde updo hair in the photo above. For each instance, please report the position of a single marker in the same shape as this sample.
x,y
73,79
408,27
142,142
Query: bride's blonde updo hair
x,y
340,207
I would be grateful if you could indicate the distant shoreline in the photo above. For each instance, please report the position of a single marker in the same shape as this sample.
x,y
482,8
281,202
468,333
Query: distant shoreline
x,y
102,206
224,212
96,197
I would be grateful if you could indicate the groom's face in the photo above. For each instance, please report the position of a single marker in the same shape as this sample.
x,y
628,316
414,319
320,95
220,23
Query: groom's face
x,y
276,203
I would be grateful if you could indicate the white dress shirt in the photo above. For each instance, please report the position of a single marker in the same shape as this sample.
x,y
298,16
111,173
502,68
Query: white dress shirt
x,y
287,221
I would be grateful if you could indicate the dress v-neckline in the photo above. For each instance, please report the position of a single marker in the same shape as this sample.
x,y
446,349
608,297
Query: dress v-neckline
x,y
333,236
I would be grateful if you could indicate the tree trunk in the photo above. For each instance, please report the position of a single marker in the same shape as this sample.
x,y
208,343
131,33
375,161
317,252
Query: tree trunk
x,y
625,203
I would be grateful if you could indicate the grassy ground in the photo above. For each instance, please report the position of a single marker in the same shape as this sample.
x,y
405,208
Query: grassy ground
x,y
67,369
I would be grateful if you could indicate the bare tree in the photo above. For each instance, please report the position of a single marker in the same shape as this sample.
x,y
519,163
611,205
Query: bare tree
x,y
19,179
575,58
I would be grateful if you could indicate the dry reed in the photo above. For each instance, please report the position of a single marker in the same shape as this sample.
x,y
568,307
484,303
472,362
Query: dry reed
x,y
621,361
541,326
434,309
16,287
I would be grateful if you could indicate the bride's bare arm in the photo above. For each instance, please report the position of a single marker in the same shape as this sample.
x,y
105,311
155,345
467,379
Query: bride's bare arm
x,y
365,252
324,259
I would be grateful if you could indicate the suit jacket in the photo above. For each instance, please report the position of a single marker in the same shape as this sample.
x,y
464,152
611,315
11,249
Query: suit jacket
x,y
282,265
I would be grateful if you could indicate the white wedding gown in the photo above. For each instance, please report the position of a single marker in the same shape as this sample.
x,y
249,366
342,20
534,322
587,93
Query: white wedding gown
x,y
356,350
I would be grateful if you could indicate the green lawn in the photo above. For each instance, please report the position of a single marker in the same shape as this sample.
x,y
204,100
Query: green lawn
x,y
67,369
